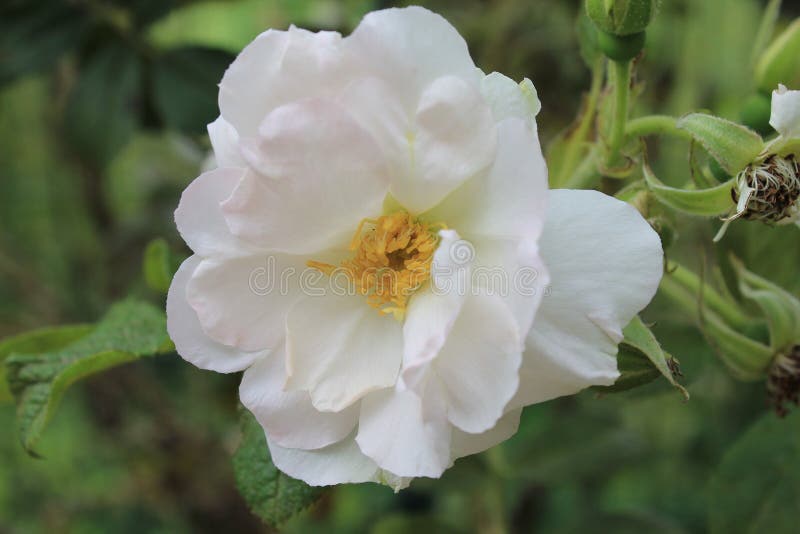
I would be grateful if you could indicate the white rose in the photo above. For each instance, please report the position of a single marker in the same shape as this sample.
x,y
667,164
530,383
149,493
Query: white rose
x,y
387,163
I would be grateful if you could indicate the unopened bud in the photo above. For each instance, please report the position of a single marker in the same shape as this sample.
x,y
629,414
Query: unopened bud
x,y
621,17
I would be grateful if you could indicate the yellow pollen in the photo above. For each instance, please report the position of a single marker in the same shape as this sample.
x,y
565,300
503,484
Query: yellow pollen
x,y
392,258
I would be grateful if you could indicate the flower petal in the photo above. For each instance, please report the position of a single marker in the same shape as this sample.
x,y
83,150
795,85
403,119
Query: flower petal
x,y
605,264
478,366
339,463
465,444
403,436
340,348
225,142
242,302
288,416
320,175
432,311
509,201
411,47
508,98
785,116
191,342
279,67
199,215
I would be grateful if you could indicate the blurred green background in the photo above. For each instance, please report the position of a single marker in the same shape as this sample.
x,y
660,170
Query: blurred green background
x,y
102,113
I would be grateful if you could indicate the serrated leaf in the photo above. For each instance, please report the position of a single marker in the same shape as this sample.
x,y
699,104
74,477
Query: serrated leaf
x,y
270,494
38,380
756,487
639,337
734,146
157,266
703,202
185,86
43,339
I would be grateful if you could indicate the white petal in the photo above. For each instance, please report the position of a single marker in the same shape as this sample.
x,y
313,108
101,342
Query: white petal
x,y
225,142
339,463
465,444
288,416
411,47
508,98
320,175
199,215
242,302
605,264
340,348
454,139
509,201
403,436
447,137
191,342
785,116
478,366
280,67
433,310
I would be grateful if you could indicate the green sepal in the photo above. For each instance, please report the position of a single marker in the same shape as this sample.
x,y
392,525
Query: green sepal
x,y
703,202
621,17
734,146
780,63
641,360
781,309
620,47
746,358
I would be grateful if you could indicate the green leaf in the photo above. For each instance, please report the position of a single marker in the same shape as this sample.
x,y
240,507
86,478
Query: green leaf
x,y
271,495
732,145
38,380
639,339
100,117
43,339
34,35
185,86
157,266
703,202
780,63
756,487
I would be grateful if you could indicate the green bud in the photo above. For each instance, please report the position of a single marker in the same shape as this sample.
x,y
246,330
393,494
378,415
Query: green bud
x,y
620,47
755,113
703,202
780,63
621,17
732,145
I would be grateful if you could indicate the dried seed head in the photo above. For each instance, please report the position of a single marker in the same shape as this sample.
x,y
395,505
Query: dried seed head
x,y
783,382
769,191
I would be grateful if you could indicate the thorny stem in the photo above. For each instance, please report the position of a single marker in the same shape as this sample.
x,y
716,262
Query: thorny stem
x,y
622,83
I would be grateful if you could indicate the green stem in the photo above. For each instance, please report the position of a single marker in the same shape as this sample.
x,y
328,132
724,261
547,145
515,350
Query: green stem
x,y
729,311
622,83
655,125
572,154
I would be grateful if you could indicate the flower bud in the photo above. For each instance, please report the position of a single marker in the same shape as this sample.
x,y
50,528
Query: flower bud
x,y
780,63
621,17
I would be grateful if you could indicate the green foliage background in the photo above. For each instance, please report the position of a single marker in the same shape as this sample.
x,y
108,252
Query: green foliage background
x,y
102,109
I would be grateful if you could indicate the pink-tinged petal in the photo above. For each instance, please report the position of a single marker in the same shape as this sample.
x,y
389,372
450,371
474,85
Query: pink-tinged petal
x,y
191,342
319,175
288,417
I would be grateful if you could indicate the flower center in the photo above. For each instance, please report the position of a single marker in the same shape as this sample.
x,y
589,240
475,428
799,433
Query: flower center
x,y
392,258
769,192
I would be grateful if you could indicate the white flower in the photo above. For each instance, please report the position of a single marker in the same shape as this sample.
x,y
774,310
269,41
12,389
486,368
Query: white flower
x,y
388,164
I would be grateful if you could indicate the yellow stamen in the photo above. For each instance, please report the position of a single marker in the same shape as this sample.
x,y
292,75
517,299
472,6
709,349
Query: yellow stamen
x,y
392,259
